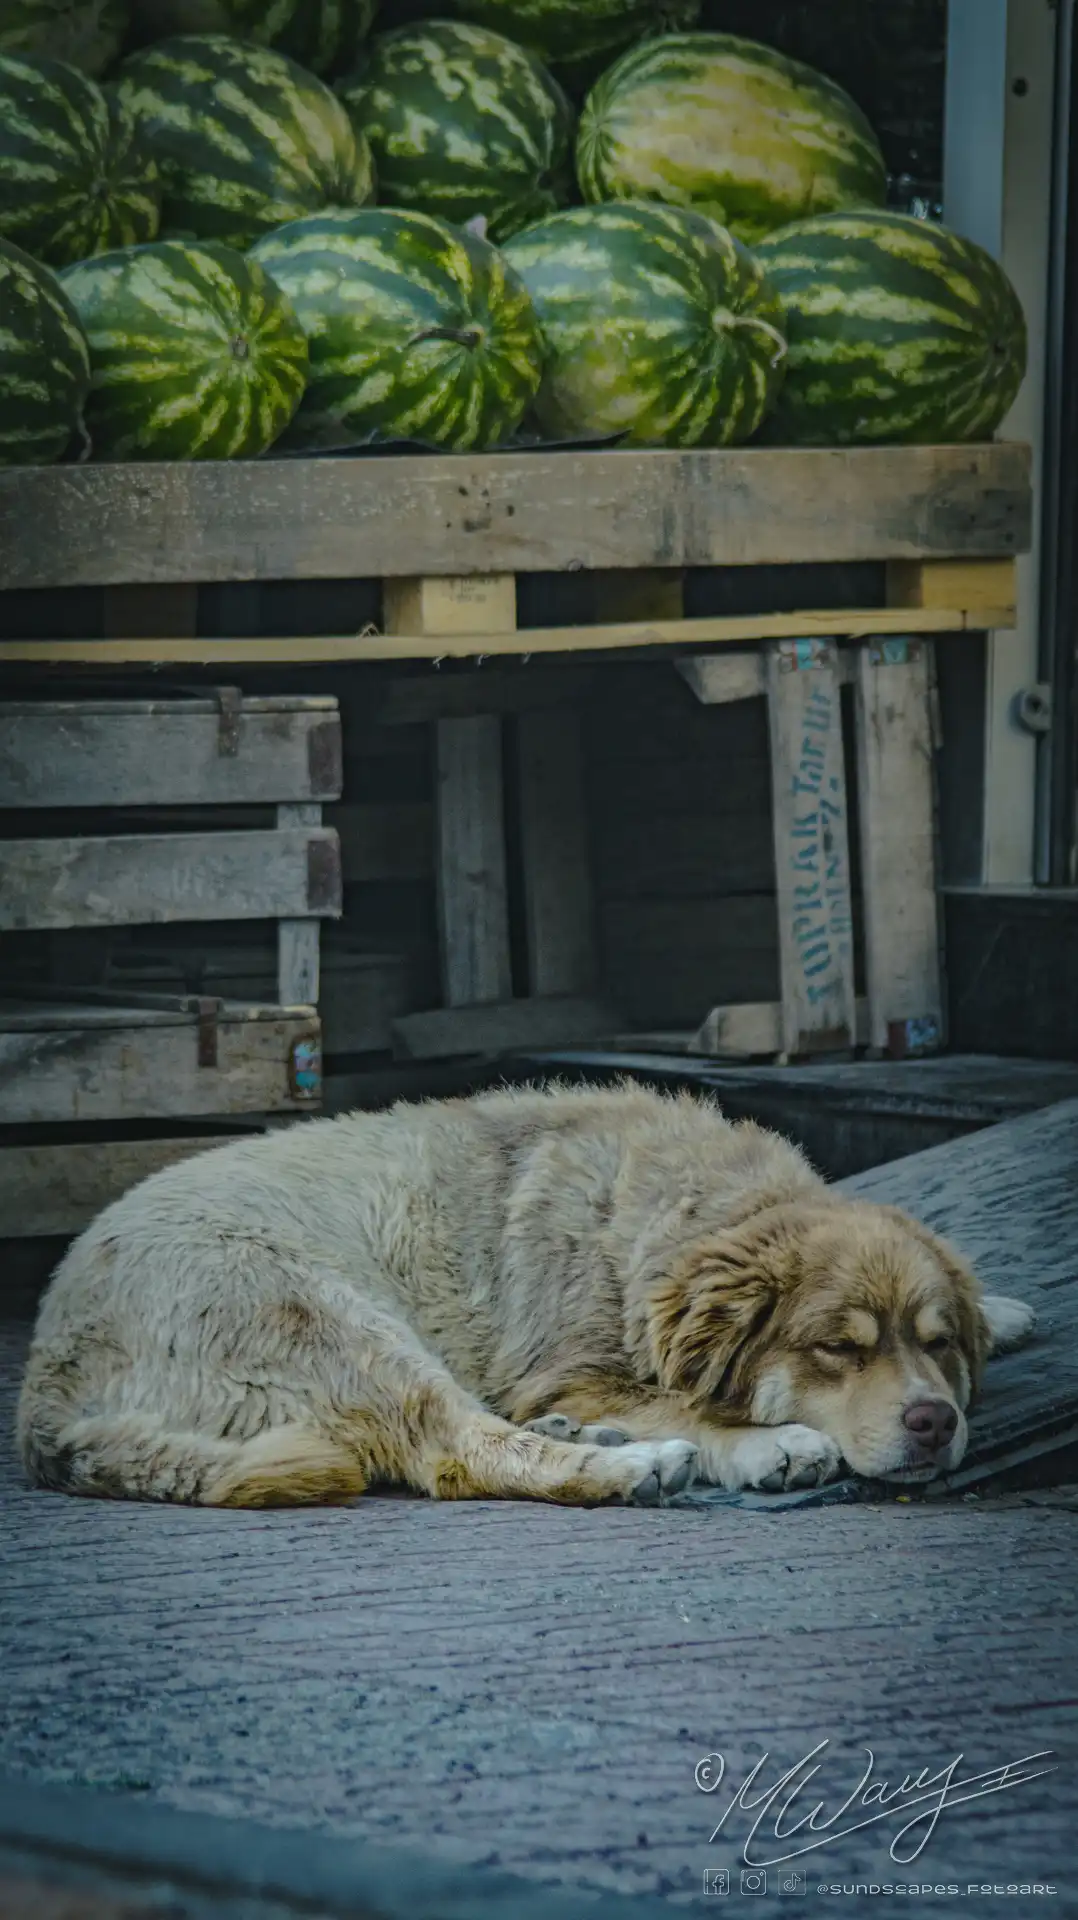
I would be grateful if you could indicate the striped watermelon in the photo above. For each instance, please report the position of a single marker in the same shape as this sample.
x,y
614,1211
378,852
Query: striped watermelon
x,y
579,33
658,324
44,363
737,130
75,174
195,354
244,137
463,122
88,33
418,330
898,331
324,35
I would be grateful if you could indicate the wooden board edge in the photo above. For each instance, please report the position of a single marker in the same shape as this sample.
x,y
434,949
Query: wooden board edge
x,y
347,649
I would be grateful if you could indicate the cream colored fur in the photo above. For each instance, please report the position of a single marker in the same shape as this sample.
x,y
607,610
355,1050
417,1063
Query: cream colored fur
x,y
380,1297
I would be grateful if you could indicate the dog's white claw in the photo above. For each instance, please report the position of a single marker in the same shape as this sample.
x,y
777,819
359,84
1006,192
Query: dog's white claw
x,y
655,1471
605,1437
782,1459
554,1426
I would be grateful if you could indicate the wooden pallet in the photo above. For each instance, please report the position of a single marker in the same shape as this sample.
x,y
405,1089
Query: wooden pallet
x,y
448,537
74,1053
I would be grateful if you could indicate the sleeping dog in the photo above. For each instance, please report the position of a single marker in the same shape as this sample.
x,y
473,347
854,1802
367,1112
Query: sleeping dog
x,y
572,1295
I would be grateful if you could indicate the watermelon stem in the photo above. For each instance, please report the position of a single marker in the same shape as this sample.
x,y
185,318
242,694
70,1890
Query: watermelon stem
x,y
464,336
724,319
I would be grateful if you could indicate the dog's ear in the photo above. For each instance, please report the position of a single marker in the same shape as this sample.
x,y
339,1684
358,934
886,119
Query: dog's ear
x,y
974,1327
708,1315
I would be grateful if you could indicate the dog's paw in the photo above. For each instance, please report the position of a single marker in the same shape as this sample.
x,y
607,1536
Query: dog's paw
x,y
780,1460
1010,1323
651,1471
554,1426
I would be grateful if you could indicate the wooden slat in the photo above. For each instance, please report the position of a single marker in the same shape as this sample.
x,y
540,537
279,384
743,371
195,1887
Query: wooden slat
x,y
896,801
142,1072
812,874
344,649
506,513
59,1190
464,604
976,585
752,1029
555,856
165,754
473,905
298,937
473,909
448,1031
140,879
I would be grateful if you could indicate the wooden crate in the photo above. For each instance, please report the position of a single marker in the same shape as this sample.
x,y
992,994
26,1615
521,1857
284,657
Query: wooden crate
x,y
72,1053
448,538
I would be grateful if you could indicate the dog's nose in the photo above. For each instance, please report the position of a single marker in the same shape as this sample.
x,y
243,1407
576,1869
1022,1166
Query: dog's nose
x,y
932,1424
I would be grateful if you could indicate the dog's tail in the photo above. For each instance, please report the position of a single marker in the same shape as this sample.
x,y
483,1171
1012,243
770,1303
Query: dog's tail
x,y
131,1457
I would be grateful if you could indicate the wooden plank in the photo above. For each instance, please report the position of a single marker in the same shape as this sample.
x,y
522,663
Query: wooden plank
x,y
473,905
976,585
812,873
465,604
59,1190
473,909
142,879
501,1028
718,679
298,937
346,649
559,905
896,801
148,1072
166,753
752,1029
506,513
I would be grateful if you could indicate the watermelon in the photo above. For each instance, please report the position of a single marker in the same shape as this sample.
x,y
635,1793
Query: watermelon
x,y
195,354
75,175
324,35
418,330
737,130
244,137
899,331
579,33
463,122
658,325
88,33
44,362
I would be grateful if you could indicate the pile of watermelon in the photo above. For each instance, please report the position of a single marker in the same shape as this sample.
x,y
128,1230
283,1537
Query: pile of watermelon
x,y
229,225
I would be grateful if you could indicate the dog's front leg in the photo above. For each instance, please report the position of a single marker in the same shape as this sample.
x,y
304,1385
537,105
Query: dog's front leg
x,y
770,1459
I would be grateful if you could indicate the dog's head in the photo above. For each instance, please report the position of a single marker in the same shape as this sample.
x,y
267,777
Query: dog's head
x,y
849,1318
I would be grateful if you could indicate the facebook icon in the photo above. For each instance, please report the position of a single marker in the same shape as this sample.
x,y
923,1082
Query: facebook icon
x,y
716,1880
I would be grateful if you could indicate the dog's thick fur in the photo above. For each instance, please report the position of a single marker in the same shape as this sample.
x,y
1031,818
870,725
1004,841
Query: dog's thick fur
x,y
394,1297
